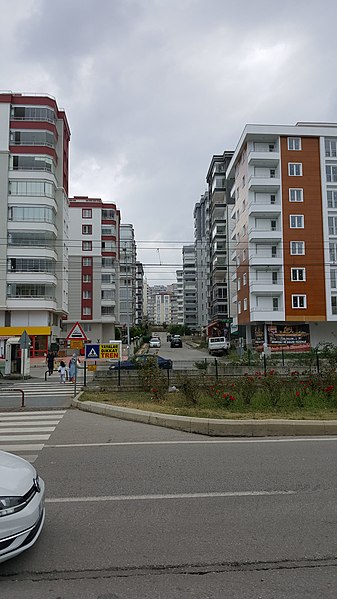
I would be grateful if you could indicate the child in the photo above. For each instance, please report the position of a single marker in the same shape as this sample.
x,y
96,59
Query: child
x,y
62,370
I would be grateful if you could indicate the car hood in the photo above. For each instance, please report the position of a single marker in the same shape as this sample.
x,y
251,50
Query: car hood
x,y
16,475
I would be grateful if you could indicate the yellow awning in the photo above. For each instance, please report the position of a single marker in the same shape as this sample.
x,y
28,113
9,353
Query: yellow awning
x,y
17,331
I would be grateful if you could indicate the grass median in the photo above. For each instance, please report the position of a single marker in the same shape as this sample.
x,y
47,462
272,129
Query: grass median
x,y
215,405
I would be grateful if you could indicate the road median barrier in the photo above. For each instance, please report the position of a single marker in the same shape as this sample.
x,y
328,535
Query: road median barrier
x,y
211,426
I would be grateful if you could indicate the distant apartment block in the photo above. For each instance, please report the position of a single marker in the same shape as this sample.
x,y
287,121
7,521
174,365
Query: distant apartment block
x,y
190,287
94,238
139,293
285,235
202,256
128,268
34,146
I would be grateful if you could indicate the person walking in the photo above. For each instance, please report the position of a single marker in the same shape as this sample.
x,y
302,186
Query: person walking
x,y
50,362
63,371
73,365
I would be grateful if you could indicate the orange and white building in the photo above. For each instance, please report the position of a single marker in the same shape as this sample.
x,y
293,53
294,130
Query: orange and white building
x,y
284,241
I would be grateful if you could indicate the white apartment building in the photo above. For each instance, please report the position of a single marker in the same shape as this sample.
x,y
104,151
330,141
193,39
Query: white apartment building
x,y
285,236
190,287
34,145
162,308
94,232
128,286
202,256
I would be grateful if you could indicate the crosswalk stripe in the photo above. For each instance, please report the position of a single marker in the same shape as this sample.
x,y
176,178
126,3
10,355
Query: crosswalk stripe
x,y
23,437
30,458
26,416
42,429
39,412
18,448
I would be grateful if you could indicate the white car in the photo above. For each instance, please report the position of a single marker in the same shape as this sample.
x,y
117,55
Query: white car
x,y
22,511
154,342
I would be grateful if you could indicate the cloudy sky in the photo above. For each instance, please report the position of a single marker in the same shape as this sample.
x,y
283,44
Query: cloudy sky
x,y
153,88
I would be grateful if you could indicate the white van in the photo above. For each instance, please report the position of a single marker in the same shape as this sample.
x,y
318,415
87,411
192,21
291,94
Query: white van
x,y
218,345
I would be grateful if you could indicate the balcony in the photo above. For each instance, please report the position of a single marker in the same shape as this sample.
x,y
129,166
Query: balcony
x,y
258,314
266,287
264,234
264,183
264,208
263,158
266,258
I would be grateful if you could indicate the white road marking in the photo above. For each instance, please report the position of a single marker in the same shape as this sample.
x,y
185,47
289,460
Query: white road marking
x,y
206,442
38,429
166,496
35,412
23,438
27,416
22,447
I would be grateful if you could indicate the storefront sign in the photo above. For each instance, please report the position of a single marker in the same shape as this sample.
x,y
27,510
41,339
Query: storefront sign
x,y
295,337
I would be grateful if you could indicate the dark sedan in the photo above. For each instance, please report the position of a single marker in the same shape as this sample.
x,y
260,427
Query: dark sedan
x,y
176,341
140,361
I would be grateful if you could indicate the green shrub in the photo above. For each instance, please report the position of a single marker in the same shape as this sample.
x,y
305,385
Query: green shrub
x,y
189,387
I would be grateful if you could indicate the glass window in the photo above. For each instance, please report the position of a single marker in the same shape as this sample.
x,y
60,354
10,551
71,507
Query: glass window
x,y
275,304
331,173
107,310
31,265
331,148
296,195
333,278
30,290
86,229
108,214
296,221
297,248
86,312
332,224
294,169
299,301
86,213
86,278
32,163
108,262
334,304
294,143
333,252
32,213
31,188
86,246
36,238
86,261
244,278
298,274
245,303
86,294
32,138
332,199
33,113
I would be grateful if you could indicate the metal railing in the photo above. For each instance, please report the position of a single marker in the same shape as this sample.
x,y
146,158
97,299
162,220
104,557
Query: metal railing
x,y
11,389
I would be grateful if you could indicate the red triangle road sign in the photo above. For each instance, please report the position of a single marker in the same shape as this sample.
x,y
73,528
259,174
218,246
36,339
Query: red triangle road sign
x,y
77,333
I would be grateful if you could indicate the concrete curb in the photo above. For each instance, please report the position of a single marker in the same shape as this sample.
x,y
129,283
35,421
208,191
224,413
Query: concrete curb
x,y
214,427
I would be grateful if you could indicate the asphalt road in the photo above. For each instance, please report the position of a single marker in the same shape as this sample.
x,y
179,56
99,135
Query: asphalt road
x,y
137,511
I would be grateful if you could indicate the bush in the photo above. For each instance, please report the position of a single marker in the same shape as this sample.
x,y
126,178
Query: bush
x,y
189,387
247,387
218,391
201,365
152,379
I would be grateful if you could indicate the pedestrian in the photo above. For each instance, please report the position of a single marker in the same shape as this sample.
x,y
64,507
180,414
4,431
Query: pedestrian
x,y
73,364
50,362
63,371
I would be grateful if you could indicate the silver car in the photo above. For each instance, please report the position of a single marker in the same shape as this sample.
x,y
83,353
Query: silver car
x,y
22,511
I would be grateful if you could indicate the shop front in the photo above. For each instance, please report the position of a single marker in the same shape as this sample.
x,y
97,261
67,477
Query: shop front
x,y
287,337
39,338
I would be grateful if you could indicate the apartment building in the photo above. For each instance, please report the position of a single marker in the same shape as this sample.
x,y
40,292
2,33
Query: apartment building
x,y
221,265
128,286
202,256
162,308
190,287
285,235
139,293
93,267
178,299
34,146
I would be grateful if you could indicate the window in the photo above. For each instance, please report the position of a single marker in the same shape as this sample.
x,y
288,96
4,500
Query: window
x,y
244,278
298,274
43,214
333,278
273,225
299,301
297,248
333,252
108,230
331,148
86,294
273,251
331,173
296,221
332,199
332,224
108,214
86,229
86,278
275,304
243,181
239,284
294,143
244,255
273,199
86,312
239,307
295,169
32,163
295,195
86,213
274,277
272,173
334,304
86,261
86,246
31,188
245,303
108,246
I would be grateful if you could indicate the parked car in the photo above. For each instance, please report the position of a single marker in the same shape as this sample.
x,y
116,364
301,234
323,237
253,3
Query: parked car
x,y
139,361
218,345
176,341
154,342
22,511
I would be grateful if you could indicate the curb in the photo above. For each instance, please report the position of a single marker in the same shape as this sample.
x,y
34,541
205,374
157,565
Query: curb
x,y
214,427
